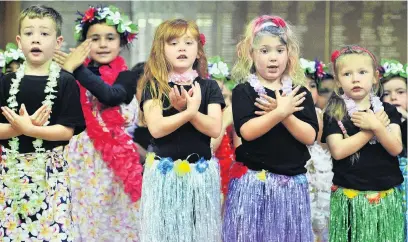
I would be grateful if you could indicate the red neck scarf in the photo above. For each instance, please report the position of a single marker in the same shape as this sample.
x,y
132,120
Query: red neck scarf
x,y
109,138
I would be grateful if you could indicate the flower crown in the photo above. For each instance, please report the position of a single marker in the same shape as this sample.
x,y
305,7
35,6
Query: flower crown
x,y
112,16
394,68
12,53
315,67
219,70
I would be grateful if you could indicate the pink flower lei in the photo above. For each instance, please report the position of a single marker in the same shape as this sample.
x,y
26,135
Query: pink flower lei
x,y
183,79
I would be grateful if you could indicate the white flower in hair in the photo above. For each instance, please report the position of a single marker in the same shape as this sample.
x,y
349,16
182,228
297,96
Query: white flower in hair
x,y
115,17
395,68
2,59
307,65
15,54
104,12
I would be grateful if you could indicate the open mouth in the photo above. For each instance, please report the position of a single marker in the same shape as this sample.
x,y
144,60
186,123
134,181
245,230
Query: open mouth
x,y
35,50
272,68
182,57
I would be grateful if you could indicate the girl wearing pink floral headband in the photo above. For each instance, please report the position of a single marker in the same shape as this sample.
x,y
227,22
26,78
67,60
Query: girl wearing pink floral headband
x,y
268,197
364,138
105,167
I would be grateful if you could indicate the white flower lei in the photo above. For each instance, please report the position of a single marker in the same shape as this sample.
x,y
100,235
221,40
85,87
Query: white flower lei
x,y
13,105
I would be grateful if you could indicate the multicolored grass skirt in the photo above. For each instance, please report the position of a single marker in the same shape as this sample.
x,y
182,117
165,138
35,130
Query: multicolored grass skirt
x,y
262,206
35,201
404,186
357,216
180,201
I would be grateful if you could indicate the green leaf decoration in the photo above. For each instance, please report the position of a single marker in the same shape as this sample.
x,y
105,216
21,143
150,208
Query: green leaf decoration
x,y
77,36
11,46
121,27
133,28
109,22
230,84
215,59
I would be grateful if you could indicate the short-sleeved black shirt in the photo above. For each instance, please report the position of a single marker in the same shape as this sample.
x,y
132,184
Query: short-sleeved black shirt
x,y
376,169
277,150
66,109
187,140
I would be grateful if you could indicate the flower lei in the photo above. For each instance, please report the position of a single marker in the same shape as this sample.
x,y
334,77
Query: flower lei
x,y
219,70
260,89
13,105
184,78
352,108
394,68
113,18
108,135
12,53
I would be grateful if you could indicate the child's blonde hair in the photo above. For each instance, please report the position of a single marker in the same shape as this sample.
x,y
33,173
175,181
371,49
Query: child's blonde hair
x,y
336,107
41,11
268,25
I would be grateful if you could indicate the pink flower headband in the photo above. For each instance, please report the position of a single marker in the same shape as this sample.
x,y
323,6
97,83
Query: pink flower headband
x,y
266,20
337,53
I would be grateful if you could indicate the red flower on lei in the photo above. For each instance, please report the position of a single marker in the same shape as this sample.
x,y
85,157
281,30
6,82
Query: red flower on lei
x,y
89,14
226,155
116,147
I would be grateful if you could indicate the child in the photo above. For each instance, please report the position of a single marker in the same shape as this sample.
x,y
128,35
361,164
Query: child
x,y
364,139
224,146
181,183
14,57
34,179
394,82
104,162
319,167
268,198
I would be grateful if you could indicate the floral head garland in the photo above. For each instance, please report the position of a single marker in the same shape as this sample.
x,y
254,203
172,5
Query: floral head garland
x,y
12,53
2,59
393,68
219,70
316,68
112,17
272,24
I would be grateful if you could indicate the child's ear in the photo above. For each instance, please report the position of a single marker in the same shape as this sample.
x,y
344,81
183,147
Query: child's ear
x,y
60,40
18,40
376,77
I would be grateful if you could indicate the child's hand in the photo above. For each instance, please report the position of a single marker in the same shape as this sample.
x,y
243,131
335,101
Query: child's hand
x,y
193,102
266,106
383,117
177,100
403,112
289,104
21,123
41,116
70,62
366,120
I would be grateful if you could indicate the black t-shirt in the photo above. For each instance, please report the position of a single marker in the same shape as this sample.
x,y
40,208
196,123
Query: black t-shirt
x,y
376,169
66,109
187,140
404,133
122,91
277,150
